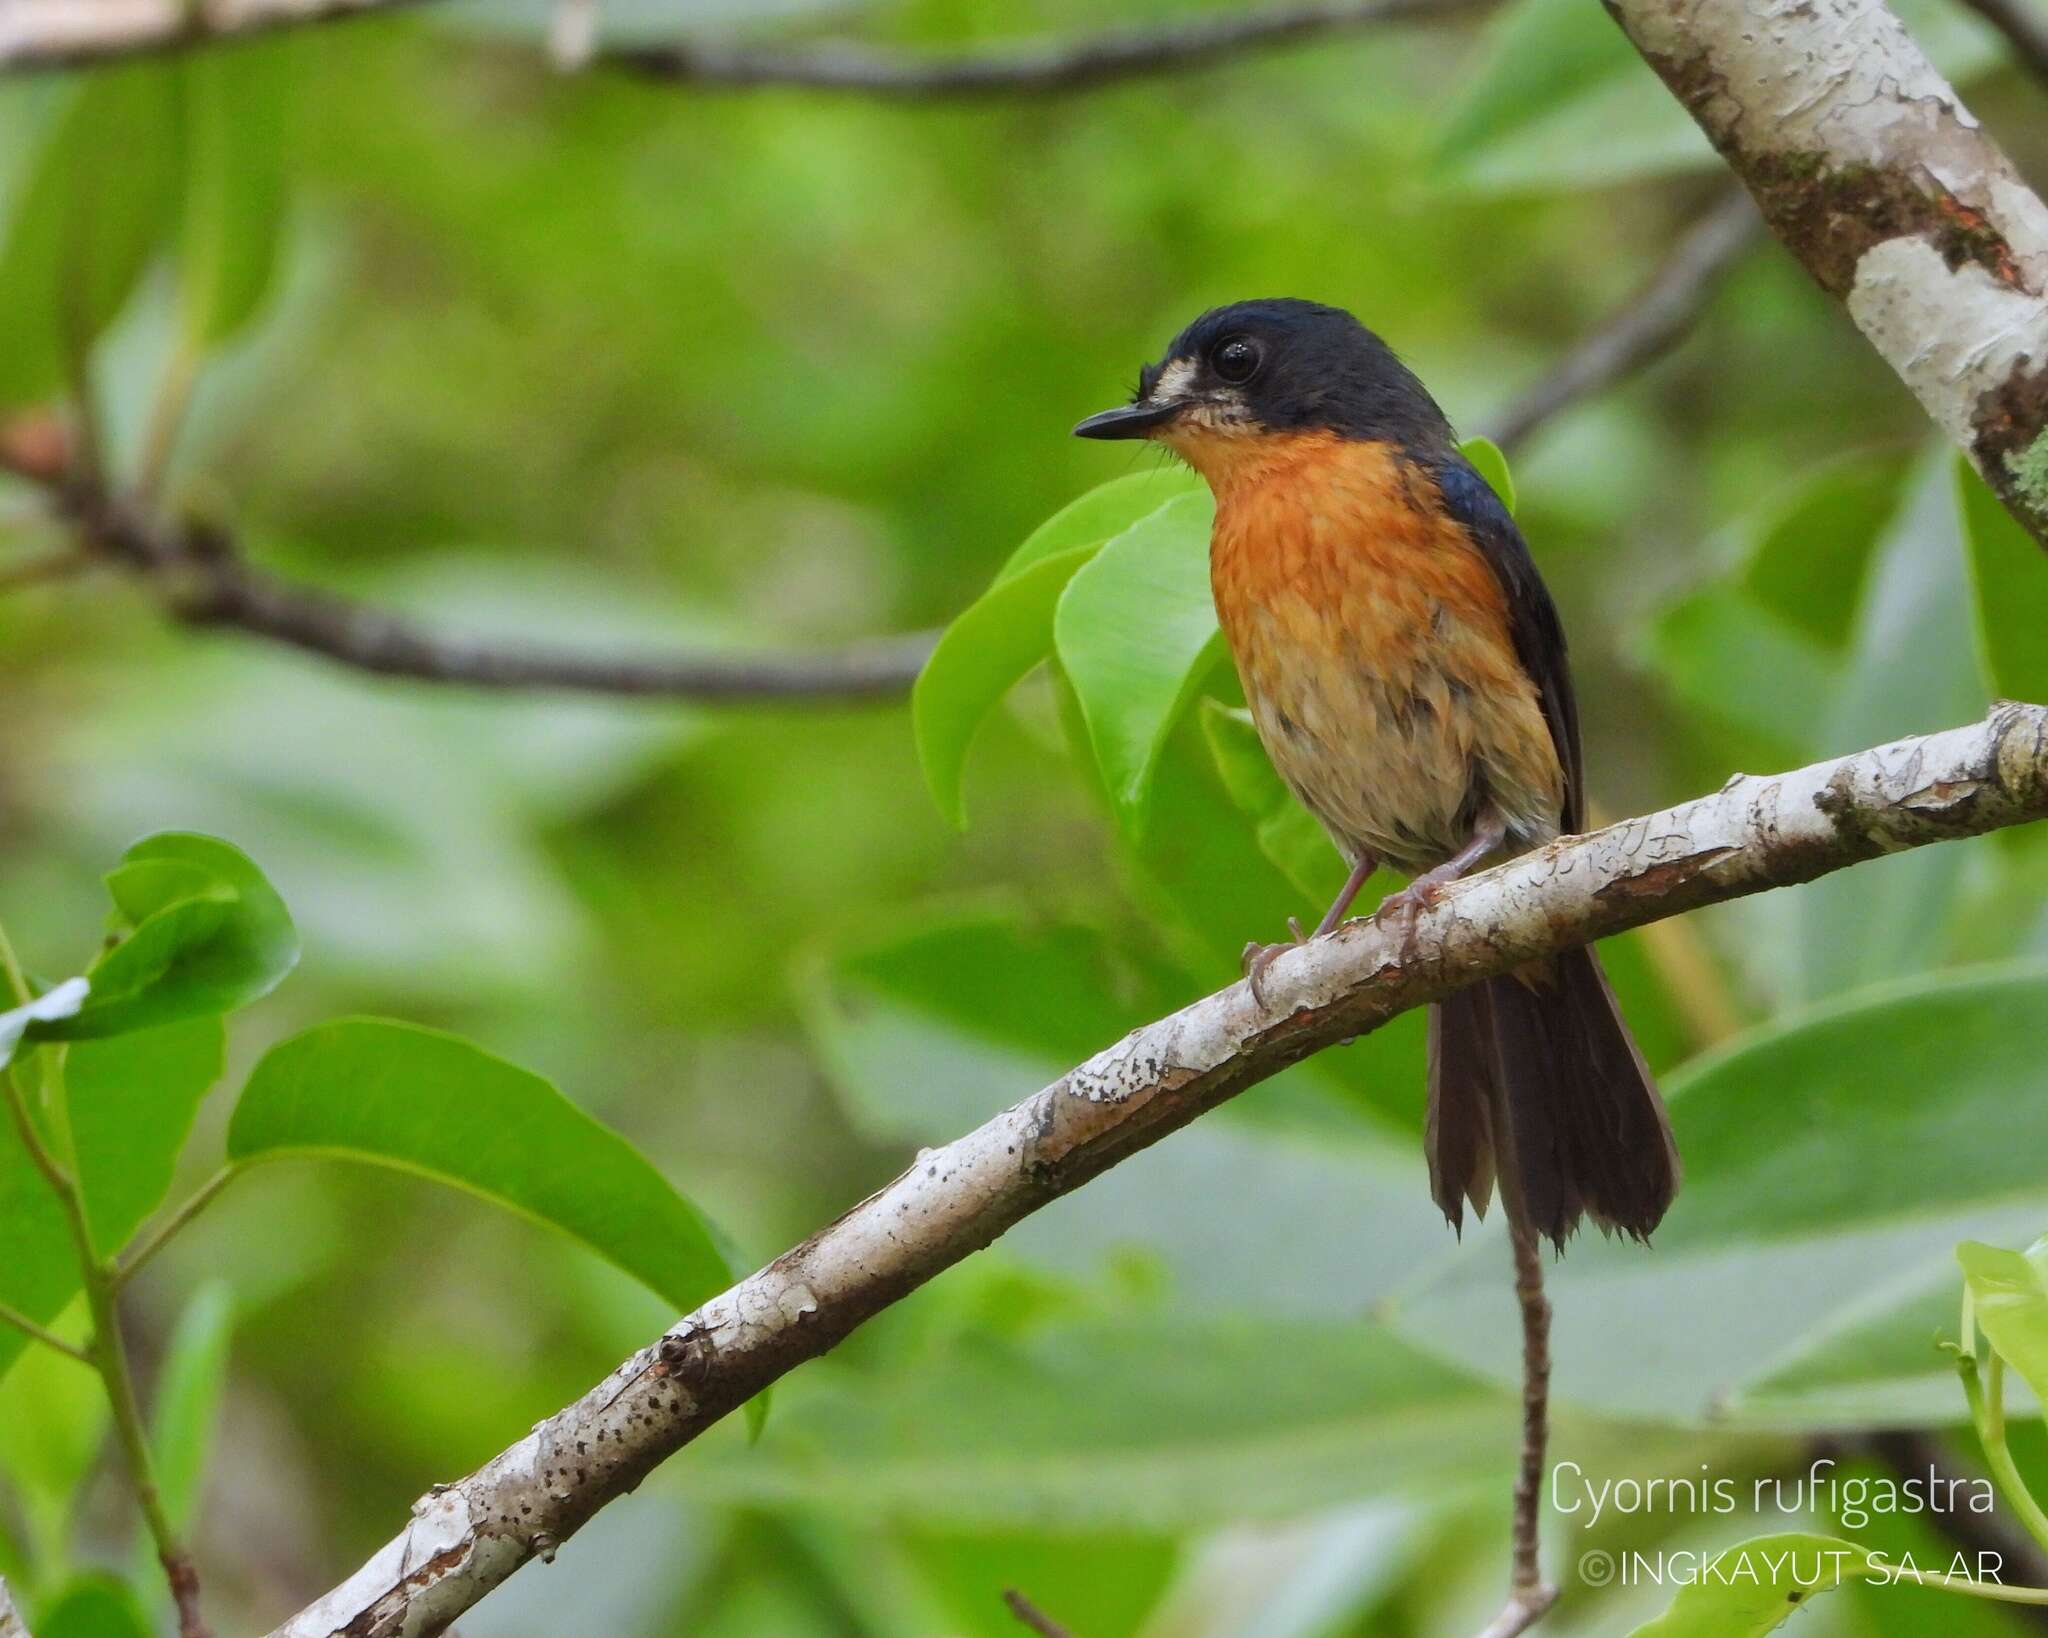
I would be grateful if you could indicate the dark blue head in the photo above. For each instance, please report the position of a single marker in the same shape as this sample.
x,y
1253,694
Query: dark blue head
x,y
1277,366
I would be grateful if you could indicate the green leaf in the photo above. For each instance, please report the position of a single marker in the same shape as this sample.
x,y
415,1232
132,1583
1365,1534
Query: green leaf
x,y
1288,833
1758,1585
99,204
2009,1299
207,935
53,1428
1491,463
1833,1159
1108,509
188,1398
1563,100
982,655
131,1100
234,189
1724,656
2009,586
95,1606
420,1101
1136,632
1811,549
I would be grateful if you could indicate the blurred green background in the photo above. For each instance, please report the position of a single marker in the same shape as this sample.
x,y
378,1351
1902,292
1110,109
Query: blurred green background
x,y
594,361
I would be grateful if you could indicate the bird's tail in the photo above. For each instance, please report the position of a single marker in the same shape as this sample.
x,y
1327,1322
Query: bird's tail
x,y
1535,1080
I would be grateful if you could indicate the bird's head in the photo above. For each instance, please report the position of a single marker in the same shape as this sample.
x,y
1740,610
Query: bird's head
x,y
1258,370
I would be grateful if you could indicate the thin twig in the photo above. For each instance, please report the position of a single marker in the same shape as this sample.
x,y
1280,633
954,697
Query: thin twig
x,y
1642,328
1037,69
1032,1616
10,1315
1528,1596
204,581
193,1204
1753,834
2025,27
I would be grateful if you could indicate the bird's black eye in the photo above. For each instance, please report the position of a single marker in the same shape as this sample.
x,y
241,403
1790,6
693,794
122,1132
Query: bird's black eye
x,y
1236,359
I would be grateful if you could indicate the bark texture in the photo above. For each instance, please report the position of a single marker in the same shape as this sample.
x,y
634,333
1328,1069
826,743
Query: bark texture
x,y
1756,832
1868,166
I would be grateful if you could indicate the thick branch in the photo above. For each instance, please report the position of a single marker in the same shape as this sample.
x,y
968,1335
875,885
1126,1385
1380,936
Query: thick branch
x,y
11,1623
1754,833
1039,68
1645,326
1865,162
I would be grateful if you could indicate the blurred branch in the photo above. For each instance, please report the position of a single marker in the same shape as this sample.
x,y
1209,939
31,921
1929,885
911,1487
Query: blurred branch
x,y
1868,166
1638,332
1753,834
60,33
1032,1616
2024,26
203,580
74,33
1051,66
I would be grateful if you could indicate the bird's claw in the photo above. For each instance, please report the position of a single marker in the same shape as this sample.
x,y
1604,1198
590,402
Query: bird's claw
x,y
1407,906
1258,957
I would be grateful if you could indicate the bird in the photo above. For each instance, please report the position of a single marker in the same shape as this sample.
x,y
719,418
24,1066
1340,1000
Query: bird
x,y
1405,669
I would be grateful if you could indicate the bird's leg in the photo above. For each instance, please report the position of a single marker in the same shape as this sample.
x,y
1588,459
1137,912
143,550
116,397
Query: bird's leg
x,y
1489,830
1257,957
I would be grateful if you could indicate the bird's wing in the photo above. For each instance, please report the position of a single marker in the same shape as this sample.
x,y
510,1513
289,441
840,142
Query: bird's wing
x,y
1537,632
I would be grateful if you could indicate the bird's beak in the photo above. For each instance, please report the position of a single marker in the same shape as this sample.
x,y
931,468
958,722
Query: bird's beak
x,y
1132,421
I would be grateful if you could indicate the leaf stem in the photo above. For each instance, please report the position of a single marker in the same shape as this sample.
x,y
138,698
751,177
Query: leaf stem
x,y
195,1203
1967,1585
1987,1410
13,1316
10,965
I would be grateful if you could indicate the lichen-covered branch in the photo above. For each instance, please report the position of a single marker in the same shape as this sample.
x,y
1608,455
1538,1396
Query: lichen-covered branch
x,y
72,33
1756,832
1868,166
11,1623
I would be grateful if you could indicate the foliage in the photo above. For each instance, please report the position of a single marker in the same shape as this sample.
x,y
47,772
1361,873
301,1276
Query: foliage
x,y
596,363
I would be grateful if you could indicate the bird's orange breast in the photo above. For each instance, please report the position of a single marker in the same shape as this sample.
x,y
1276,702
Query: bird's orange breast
x,y
1374,642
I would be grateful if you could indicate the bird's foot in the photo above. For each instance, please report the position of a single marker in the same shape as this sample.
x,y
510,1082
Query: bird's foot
x,y
1407,905
1258,957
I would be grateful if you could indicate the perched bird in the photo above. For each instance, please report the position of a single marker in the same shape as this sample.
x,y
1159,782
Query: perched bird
x,y
1406,671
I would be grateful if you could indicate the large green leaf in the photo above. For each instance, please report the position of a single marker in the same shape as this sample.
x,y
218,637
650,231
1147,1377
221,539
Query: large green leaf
x,y
99,204
1107,509
1135,632
2009,1300
189,1389
94,1606
1833,1158
131,1100
1810,550
234,212
1758,1585
1563,100
207,934
422,1101
978,660
2009,583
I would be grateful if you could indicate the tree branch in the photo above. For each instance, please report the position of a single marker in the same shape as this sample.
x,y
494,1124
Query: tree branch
x,y
38,34
204,581
1041,68
1642,328
1867,165
11,1623
75,33
1753,834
